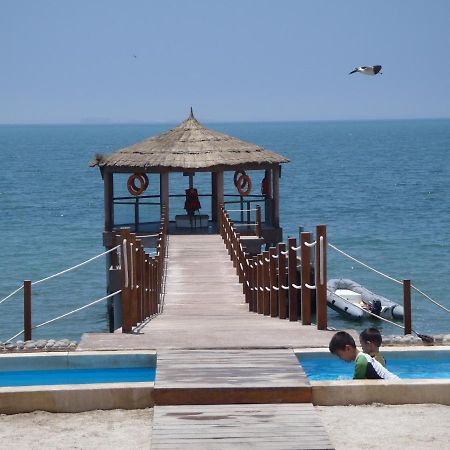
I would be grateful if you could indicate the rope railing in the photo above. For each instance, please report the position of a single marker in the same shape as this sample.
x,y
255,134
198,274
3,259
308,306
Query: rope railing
x,y
364,265
11,294
65,315
76,266
389,277
142,278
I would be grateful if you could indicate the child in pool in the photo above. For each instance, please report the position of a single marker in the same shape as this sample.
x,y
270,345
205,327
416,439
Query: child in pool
x,y
370,340
343,346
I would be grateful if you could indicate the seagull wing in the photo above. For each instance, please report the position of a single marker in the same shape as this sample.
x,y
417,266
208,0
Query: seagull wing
x,y
354,70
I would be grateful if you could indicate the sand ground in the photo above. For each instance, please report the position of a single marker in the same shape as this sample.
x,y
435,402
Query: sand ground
x,y
350,427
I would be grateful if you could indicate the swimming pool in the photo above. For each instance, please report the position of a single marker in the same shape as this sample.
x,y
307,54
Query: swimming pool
x,y
76,381
407,364
76,368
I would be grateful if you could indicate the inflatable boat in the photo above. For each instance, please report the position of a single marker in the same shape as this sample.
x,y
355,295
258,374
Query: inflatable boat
x,y
355,301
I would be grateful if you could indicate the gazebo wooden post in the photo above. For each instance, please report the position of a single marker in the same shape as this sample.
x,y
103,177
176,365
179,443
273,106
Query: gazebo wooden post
x,y
108,196
219,191
268,198
215,210
164,192
276,196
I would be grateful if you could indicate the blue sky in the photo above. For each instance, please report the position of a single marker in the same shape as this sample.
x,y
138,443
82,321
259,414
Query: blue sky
x,y
235,60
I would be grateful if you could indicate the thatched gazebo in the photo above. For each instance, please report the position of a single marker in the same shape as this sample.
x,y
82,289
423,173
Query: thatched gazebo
x,y
190,148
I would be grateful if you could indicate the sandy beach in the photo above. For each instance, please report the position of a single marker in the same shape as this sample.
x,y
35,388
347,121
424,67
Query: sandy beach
x,y
350,427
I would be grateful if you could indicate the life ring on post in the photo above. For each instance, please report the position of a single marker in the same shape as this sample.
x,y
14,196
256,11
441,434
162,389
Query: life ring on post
x,y
244,185
135,190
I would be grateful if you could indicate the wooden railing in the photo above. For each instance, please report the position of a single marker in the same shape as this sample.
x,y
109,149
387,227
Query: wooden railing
x,y
142,276
270,279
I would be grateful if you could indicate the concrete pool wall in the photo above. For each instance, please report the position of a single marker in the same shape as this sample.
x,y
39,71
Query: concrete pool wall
x,y
77,397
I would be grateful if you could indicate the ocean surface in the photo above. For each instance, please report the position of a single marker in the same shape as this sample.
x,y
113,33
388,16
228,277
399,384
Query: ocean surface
x,y
381,187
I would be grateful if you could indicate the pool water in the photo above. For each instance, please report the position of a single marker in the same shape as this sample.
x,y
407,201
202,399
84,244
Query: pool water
x,y
405,364
76,376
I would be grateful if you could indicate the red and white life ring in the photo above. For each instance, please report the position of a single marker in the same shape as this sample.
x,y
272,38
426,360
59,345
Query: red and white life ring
x,y
135,190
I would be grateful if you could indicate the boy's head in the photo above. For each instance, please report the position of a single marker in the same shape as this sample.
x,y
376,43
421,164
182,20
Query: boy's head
x,y
370,340
343,346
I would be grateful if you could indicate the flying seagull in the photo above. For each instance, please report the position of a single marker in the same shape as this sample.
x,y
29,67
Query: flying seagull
x,y
371,70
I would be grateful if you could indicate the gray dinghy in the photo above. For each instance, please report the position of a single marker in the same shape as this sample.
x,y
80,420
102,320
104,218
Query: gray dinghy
x,y
355,294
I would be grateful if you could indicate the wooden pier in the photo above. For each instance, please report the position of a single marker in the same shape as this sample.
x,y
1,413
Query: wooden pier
x,y
204,308
226,376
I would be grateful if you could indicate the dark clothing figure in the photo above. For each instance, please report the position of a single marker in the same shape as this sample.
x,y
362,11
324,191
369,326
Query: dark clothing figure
x,y
192,202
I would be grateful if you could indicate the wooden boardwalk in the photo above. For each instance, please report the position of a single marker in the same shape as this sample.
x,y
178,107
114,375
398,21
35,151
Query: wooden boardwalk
x,y
230,376
204,308
235,427
226,378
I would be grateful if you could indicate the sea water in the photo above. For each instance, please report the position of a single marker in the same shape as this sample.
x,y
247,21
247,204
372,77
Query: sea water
x,y
381,187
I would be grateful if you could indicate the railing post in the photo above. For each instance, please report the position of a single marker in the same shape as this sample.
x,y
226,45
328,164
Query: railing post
x,y
125,278
407,322
321,276
248,279
151,282
139,284
114,257
134,280
306,278
273,282
260,284
292,262
266,283
254,298
282,280
27,310
258,230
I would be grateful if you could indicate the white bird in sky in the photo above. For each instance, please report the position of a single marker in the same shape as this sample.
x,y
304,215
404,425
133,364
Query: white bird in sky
x,y
367,70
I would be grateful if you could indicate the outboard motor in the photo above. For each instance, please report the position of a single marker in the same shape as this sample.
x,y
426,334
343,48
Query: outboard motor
x,y
375,307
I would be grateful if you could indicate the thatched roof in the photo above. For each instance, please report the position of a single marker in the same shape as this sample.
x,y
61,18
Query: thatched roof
x,y
189,146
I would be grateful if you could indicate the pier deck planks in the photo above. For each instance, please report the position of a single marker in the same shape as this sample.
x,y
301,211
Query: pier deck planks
x,y
230,376
231,427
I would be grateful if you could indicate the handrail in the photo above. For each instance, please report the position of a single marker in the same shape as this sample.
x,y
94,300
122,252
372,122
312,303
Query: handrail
x,y
65,315
388,277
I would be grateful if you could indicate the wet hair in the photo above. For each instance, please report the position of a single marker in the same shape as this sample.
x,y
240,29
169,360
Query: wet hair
x,y
340,340
371,335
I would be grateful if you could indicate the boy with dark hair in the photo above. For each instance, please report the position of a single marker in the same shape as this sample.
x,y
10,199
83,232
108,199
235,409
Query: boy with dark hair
x,y
343,346
370,340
